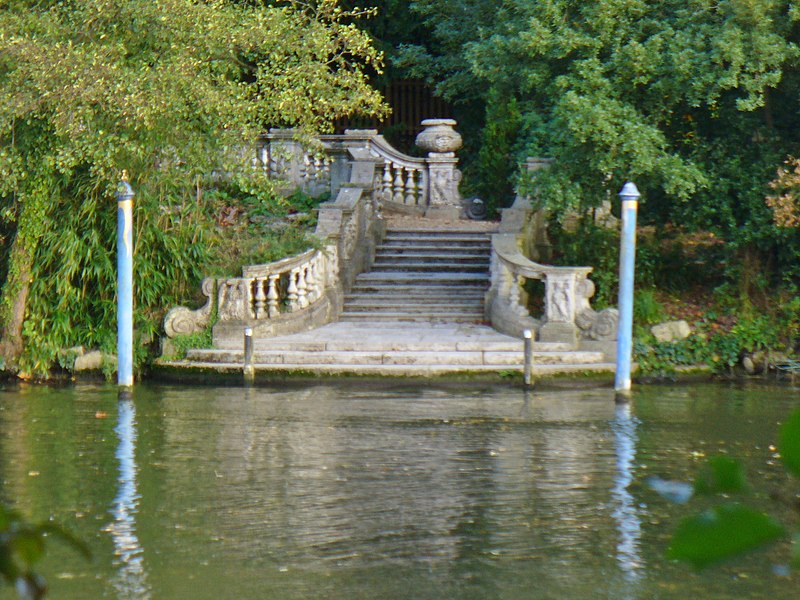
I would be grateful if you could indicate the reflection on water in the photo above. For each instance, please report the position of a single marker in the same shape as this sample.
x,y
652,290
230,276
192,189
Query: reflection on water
x,y
130,580
343,490
625,512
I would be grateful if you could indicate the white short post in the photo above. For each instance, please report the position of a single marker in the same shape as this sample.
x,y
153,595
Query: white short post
x,y
528,337
248,370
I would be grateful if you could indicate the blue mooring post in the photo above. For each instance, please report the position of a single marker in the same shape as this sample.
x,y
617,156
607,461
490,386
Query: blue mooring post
x,y
627,256
124,282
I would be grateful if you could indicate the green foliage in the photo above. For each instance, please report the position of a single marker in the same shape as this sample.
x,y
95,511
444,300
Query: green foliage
x,y
661,358
496,164
647,310
730,529
170,91
656,92
22,545
722,532
595,246
182,343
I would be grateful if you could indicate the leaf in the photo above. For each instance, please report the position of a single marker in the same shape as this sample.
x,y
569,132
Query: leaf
x,y
722,475
722,532
789,443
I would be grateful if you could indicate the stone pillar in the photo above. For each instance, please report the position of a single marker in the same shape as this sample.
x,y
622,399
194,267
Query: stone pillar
x,y
441,141
521,217
286,156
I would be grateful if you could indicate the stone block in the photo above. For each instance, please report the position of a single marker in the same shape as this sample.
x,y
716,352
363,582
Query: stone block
x,y
444,212
671,331
559,332
93,361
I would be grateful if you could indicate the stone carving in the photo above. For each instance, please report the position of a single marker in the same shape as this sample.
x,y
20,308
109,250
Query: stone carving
x,y
184,321
594,325
234,299
559,301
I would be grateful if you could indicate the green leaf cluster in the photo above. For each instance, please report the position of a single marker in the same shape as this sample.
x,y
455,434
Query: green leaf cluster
x,y
731,528
174,92
694,101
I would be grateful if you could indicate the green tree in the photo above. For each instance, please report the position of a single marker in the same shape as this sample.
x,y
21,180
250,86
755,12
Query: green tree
x,y
169,90
693,100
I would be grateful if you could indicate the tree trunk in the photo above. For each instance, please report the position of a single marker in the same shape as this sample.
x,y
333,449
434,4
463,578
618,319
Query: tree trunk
x,y
14,298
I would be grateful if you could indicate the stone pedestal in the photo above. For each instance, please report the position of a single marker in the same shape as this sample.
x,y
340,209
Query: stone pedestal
x,y
441,141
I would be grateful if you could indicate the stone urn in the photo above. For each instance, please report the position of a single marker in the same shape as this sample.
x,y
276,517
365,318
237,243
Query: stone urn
x,y
439,136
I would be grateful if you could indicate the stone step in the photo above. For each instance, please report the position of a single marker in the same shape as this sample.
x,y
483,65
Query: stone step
x,y
425,267
439,233
444,316
418,370
385,300
429,258
472,312
389,288
435,240
497,358
408,250
390,343
429,279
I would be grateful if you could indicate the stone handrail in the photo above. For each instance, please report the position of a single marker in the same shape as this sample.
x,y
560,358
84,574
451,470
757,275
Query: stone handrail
x,y
404,180
568,317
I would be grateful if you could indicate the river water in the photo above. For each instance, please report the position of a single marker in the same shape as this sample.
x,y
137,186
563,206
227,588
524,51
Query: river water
x,y
379,491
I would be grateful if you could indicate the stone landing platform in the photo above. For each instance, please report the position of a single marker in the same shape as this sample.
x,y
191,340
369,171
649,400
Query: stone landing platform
x,y
401,349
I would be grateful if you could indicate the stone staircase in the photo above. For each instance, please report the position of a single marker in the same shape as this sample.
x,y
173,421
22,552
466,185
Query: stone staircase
x,y
423,275
419,311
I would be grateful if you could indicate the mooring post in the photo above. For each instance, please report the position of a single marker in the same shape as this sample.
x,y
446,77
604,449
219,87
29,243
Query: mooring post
x,y
528,337
627,256
124,282
249,370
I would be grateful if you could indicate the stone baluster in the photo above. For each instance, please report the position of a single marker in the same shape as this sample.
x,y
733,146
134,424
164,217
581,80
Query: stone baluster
x,y
291,290
387,179
264,158
306,167
302,288
272,296
311,281
399,185
411,187
321,168
260,298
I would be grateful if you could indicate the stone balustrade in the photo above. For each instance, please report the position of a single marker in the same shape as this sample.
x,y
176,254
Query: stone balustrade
x,y
267,291
408,184
568,316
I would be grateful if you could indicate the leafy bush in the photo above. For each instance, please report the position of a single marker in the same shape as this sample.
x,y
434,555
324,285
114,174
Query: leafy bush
x,y
647,310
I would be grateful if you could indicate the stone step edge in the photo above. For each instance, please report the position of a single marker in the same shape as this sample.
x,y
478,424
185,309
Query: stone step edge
x,y
367,301
388,346
498,358
392,370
